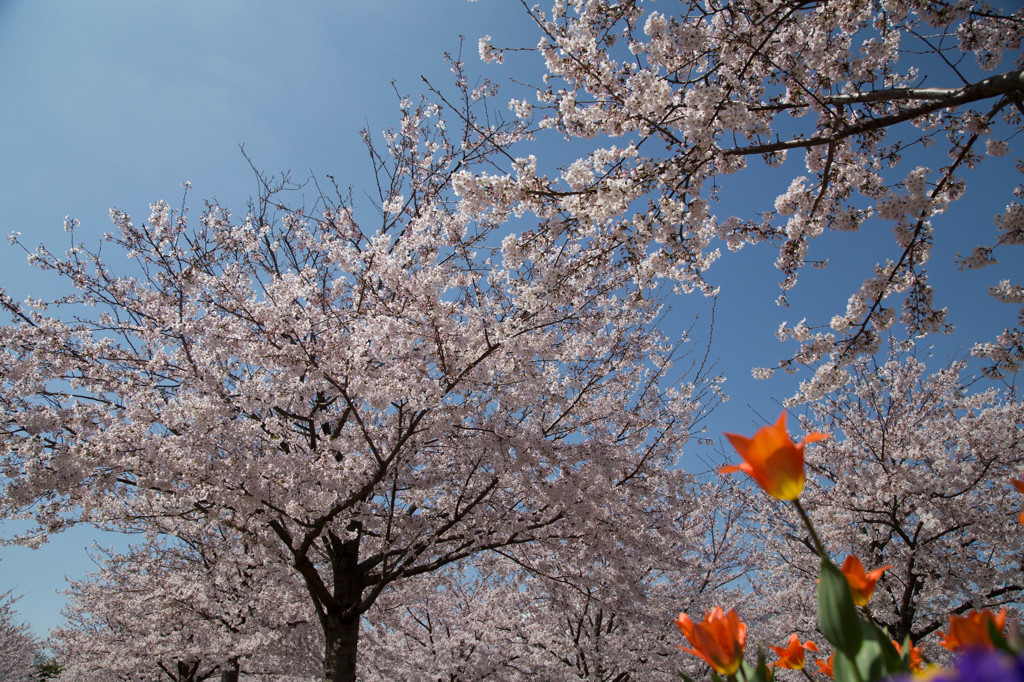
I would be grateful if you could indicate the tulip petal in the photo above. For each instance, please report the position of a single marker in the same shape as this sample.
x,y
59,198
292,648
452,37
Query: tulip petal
x,y
719,639
772,459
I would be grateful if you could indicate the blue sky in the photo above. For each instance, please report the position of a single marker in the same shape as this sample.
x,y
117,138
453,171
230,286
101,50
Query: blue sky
x,y
118,102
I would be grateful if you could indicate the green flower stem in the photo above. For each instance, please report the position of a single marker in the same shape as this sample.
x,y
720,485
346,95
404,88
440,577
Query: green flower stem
x,y
810,527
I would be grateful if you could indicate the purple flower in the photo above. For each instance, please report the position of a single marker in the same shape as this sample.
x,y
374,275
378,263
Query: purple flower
x,y
990,666
976,665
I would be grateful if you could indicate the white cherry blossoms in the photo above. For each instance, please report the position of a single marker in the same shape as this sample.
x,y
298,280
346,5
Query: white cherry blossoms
x,y
706,90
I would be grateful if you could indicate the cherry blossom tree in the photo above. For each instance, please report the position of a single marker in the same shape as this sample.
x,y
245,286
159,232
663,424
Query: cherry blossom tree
x,y
195,609
525,627
18,647
451,625
368,402
555,616
607,620
918,476
677,96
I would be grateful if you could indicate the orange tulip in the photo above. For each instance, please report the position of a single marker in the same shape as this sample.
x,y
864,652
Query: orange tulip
x,y
916,662
719,639
862,584
971,631
792,655
826,667
774,461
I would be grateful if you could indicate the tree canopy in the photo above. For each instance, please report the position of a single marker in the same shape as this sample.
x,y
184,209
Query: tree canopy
x,y
884,111
466,395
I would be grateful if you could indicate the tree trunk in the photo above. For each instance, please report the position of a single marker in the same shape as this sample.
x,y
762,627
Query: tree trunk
x,y
338,607
186,671
340,647
229,671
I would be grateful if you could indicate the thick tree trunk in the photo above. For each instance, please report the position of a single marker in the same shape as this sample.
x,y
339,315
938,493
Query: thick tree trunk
x,y
338,607
229,671
341,644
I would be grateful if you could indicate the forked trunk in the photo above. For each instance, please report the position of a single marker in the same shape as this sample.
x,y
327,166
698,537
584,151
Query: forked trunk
x,y
338,607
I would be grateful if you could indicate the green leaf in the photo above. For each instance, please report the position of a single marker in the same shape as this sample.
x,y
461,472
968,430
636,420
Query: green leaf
x,y
905,654
844,669
837,614
762,673
684,676
877,656
758,673
997,638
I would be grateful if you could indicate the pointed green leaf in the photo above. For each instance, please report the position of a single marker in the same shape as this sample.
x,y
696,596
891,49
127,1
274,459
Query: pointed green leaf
x,y
757,673
837,614
998,640
892,658
905,653
844,670
877,656
762,673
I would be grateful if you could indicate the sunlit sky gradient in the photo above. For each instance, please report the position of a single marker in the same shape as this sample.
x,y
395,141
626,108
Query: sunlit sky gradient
x,y
118,102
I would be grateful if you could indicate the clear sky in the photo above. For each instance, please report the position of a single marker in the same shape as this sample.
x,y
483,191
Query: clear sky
x,y
116,103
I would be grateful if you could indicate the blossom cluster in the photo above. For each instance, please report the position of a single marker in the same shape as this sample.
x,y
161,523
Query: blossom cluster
x,y
717,89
